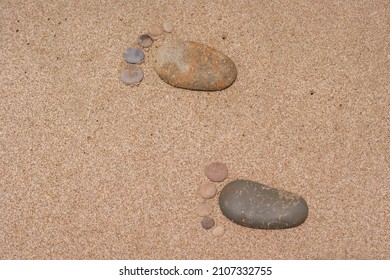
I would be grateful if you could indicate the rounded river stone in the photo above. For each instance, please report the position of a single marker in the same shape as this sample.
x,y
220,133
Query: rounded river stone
x,y
134,55
132,75
194,66
255,205
145,40
207,223
216,171
207,190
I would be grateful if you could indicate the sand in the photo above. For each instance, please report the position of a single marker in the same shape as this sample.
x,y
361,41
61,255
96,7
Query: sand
x,y
93,169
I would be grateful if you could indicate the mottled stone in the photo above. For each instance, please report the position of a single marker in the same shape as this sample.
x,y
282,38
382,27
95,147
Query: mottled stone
x,y
194,66
255,205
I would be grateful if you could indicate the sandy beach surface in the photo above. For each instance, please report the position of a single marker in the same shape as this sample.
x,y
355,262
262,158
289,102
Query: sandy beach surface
x,y
93,169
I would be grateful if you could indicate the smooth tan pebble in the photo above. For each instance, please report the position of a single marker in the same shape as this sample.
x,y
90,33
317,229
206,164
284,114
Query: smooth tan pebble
x,y
207,190
194,66
155,30
167,26
203,209
218,231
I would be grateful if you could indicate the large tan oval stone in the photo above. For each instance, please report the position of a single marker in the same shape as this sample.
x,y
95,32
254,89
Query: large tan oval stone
x,y
195,66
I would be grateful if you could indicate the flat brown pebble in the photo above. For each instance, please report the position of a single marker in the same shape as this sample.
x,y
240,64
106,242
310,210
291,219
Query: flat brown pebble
x,y
203,209
134,55
207,190
207,222
218,231
155,30
145,40
216,171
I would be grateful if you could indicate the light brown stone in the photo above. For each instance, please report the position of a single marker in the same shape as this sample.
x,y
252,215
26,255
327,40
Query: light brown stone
x,y
207,190
194,66
155,30
216,171
203,209
218,231
167,26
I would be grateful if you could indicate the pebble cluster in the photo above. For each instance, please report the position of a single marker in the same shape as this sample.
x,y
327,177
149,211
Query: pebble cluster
x,y
182,64
215,172
133,74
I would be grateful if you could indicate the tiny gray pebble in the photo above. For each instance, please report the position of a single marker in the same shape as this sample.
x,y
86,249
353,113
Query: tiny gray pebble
x,y
207,222
134,55
132,75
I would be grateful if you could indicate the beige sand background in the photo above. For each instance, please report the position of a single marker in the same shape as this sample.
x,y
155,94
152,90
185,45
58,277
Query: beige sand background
x,y
93,169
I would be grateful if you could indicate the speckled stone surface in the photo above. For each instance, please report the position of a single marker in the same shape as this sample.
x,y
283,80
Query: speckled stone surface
x,y
195,66
255,205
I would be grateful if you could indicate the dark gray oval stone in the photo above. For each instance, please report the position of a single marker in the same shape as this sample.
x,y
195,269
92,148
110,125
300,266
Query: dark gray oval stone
x,y
255,205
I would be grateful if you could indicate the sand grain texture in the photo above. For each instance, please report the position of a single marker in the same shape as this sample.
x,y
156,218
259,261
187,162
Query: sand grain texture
x,y
93,169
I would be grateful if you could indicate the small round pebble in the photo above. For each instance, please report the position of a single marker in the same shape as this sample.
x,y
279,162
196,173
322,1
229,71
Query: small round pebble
x,y
132,75
218,231
167,26
203,209
155,30
207,222
207,190
216,171
134,55
145,40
